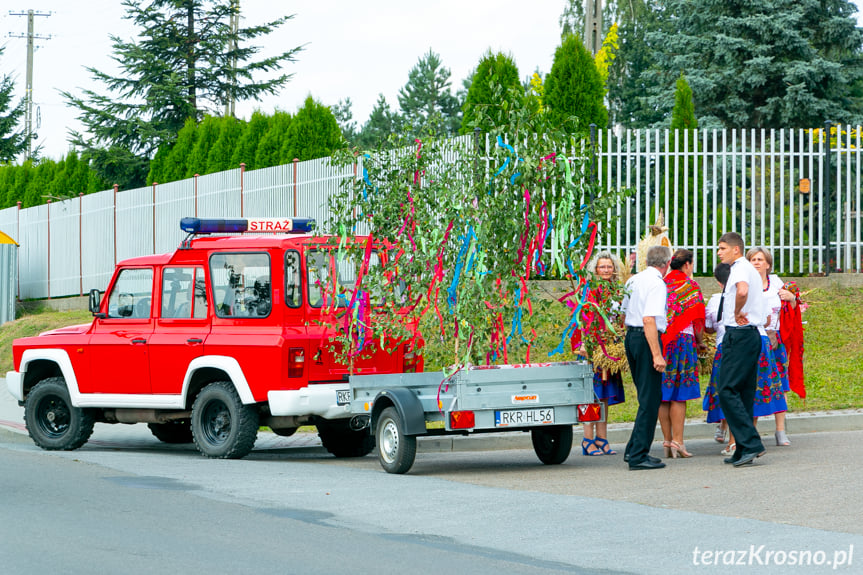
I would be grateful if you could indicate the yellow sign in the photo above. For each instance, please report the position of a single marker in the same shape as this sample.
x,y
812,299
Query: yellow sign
x,y
804,185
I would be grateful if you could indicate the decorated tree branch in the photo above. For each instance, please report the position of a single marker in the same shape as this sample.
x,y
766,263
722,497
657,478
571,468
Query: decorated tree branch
x,y
463,226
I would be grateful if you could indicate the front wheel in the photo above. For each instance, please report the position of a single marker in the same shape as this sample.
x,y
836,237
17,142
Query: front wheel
x,y
552,444
222,426
51,420
396,451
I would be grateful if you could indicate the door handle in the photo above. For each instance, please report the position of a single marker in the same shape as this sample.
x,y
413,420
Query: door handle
x,y
194,340
139,341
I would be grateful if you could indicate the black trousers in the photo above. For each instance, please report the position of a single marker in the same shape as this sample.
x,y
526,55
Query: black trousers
x,y
648,385
738,380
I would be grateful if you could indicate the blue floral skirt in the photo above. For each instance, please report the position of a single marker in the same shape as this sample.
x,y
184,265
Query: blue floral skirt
x,y
610,389
781,356
710,404
680,380
770,395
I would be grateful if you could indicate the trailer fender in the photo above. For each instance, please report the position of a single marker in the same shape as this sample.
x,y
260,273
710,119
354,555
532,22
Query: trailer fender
x,y
408,406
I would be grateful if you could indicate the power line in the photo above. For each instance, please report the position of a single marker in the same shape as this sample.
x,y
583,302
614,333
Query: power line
x,y
28,90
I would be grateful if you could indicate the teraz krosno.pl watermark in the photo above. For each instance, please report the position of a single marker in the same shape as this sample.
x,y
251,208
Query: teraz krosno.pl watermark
x,y
762,555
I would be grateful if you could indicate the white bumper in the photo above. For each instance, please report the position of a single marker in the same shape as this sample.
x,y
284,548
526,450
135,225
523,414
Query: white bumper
x,y
15,384
320,400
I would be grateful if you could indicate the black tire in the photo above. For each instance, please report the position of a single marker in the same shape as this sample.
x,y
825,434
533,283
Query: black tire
x,y
52,422
552,444
396,451
222,426
284,431
339,439
175,432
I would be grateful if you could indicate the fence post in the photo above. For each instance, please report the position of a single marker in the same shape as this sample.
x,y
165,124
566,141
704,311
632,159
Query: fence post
x,y
80,243
296,161
116,187
154,216
49,249
18,259
242,173
825,209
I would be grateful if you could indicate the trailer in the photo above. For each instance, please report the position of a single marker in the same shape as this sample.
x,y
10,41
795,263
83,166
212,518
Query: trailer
x,y
545,399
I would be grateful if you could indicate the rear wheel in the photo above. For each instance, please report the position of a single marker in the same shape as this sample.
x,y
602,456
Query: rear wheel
x,y
179,431
396,451
339,439
52,422
552,444
222,426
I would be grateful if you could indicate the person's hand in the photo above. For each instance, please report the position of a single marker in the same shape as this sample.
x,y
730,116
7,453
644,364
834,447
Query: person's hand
x,y
741,318
659,363
701,346
786,295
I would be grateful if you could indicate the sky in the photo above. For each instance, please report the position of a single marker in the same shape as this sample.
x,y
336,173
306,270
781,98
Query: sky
x,y
352,49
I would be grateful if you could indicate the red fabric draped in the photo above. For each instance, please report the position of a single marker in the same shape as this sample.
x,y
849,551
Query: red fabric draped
x,y
685,306
791,329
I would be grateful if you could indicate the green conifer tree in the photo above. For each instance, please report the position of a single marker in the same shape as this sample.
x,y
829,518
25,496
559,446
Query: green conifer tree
x,y
222,152
574,88
489,99
208,133
313,133
269,151
244,152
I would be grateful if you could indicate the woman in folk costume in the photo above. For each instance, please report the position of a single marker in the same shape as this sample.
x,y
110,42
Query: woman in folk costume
x,y
607,378
680,342
773,381
713,324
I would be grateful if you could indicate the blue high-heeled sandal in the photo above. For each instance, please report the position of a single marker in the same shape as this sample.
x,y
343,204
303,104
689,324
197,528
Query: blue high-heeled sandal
x,y
593,452
606,450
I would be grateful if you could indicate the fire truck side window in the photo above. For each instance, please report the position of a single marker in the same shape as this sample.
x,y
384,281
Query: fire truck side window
x,y
183,293
132,294
241,284
293,285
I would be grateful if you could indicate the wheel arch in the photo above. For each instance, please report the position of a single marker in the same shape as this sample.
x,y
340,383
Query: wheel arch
x,y
207,369
407,405
40,364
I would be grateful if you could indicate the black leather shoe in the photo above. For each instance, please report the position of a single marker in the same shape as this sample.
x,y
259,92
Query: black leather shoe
x,y
649,458
748,458
730,460
647,464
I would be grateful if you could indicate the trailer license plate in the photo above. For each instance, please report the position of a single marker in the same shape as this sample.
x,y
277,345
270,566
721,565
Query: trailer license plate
x,y
519,417
343,396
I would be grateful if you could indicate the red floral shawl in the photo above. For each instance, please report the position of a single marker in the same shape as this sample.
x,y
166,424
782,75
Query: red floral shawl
x,y
685,306
791,330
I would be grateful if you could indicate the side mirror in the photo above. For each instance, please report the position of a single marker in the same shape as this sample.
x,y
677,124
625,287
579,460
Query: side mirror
x,y
95,303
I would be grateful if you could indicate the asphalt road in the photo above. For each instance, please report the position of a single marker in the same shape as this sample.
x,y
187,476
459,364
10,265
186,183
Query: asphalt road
x,y
133,505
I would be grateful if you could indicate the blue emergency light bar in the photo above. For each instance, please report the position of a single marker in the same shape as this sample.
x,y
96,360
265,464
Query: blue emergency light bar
x,y
254,225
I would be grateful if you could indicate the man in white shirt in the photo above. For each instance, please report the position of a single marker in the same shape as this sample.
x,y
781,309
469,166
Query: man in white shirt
x,y
645,307
743,310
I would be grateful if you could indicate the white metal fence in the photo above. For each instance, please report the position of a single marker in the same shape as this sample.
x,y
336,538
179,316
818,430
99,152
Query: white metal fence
x,y
706,182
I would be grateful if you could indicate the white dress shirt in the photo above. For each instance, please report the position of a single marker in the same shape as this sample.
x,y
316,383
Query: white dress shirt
x,y
710,319
646,296
755,307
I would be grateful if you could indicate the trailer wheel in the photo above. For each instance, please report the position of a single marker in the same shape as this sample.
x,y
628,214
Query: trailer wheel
x,y
174,432
222,426
552,444
52,421
396,451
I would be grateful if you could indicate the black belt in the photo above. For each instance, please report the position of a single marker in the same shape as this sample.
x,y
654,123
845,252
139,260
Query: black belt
x,y
741,327
636,328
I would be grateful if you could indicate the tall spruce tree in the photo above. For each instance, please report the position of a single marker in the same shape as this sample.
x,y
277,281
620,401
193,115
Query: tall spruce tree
x,y
574,88
244,153
185,61
760,63
427,105
488,101
12,140
381,124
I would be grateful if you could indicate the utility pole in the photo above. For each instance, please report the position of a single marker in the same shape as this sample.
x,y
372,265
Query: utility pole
x,y
593,25
28,90
231,98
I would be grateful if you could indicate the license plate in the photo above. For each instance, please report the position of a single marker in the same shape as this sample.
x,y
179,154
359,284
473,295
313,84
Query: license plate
x,y
522,417
343,396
